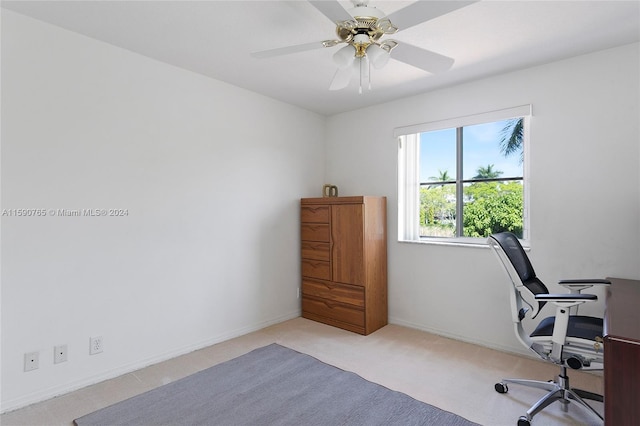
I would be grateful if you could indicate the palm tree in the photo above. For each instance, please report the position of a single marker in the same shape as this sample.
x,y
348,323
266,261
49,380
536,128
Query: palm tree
x,y
487,172
443,176
512,138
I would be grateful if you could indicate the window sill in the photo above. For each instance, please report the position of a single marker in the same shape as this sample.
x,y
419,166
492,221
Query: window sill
x,y
458,242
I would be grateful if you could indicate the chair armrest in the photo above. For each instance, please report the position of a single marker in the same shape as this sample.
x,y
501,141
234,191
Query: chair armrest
x,y
571,297
576,286
584,281
563,301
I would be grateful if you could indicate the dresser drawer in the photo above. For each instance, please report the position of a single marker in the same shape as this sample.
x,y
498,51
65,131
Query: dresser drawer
x,y
315,232
315,250
333,310
316,269
317,214
333,291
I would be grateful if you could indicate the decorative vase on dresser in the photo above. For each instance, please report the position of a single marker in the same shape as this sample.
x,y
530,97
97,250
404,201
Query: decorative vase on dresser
x,y
344,261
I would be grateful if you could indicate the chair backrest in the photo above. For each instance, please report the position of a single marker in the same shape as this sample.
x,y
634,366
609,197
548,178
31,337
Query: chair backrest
x,y
508,248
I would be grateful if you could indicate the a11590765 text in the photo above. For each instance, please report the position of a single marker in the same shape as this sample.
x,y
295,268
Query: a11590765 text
x,y
65,212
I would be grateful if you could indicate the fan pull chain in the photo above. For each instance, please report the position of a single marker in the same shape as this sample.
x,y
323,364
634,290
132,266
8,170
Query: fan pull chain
x,y
368,75
360,88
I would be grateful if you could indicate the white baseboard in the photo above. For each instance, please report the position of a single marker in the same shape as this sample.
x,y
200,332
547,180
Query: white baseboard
x,y
53,391
479,342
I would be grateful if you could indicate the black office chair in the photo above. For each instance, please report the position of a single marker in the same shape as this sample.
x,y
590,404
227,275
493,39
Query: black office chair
x,y
567,340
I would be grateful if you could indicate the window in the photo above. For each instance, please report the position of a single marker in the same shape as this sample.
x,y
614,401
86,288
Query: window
x,y
463,179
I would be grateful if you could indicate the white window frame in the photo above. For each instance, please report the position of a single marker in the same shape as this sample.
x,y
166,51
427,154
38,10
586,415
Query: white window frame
x,y
409,173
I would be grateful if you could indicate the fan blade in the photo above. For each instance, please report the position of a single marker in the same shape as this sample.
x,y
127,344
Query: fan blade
x,y
332,10
422,11
341,79
288,49
424,59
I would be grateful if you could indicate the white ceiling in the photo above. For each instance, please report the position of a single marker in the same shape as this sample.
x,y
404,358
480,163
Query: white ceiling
x,y
216,38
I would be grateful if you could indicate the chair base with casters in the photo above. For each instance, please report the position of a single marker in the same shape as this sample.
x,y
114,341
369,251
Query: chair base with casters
x,y
558,390
567,339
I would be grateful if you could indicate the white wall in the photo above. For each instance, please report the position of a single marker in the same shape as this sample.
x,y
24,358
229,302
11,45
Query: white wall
x,y
584,174
211,176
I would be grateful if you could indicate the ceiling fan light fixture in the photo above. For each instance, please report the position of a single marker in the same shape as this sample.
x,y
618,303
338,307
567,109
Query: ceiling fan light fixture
x,y
344,57
378,57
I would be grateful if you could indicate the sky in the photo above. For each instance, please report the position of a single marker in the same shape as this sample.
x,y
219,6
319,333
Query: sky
x,y
481,146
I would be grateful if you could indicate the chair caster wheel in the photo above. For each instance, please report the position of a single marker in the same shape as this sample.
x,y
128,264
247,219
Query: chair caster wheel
x,y
522,421
501,387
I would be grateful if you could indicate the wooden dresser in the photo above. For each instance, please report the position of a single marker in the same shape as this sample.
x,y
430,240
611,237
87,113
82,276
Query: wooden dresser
x,y
344,261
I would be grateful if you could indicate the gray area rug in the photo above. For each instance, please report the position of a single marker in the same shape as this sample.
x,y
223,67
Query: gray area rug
x,y
272,385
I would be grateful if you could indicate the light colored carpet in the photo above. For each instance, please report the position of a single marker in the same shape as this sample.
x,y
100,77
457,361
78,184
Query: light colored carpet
x,y
455,376
272,385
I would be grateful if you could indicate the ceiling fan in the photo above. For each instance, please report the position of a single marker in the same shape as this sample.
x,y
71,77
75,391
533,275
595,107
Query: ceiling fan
x,y
362,29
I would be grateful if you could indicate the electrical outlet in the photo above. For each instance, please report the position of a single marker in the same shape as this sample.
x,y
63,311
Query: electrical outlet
x,y
95,345
59,354
31,361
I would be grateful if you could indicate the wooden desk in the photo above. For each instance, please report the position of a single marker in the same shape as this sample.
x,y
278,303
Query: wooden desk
x,y
622,353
